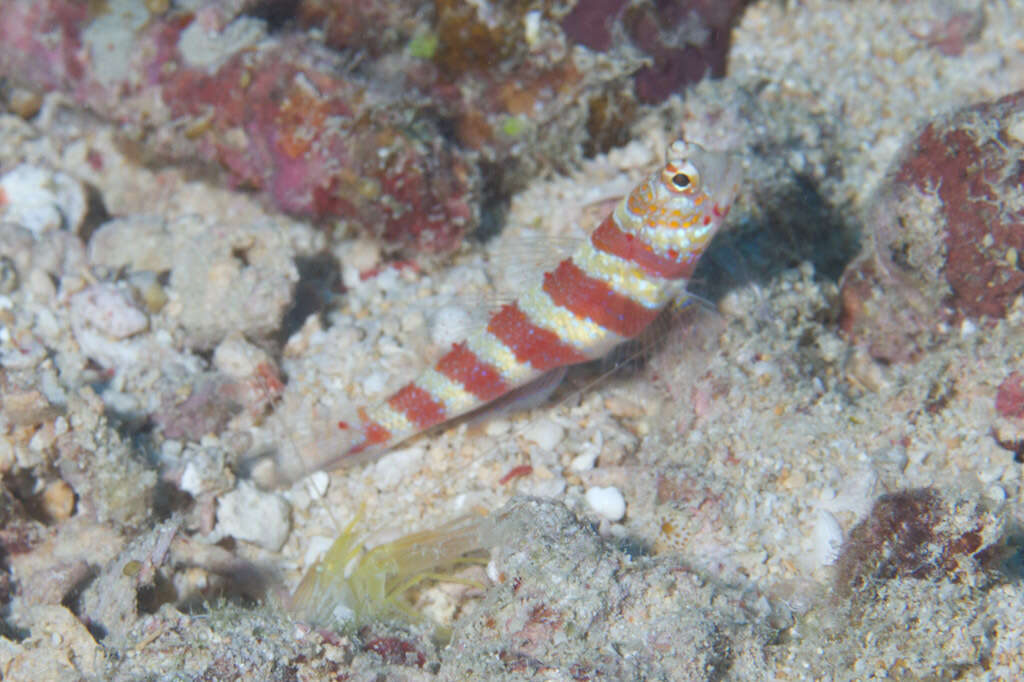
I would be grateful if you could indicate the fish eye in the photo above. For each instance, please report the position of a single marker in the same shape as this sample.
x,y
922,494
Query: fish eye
x,y
681,180
680,177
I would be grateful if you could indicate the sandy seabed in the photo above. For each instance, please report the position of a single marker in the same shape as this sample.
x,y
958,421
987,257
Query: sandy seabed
x,y
747,448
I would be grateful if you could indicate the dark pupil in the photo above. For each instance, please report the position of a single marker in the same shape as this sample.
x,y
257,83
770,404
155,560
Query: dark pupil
x,y
681,180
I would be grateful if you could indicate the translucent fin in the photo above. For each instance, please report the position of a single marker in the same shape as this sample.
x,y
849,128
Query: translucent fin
x,y
524,398
305,440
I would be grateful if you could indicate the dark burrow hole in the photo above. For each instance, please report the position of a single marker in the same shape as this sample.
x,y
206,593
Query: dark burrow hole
x,y
319,282
798,225
277,13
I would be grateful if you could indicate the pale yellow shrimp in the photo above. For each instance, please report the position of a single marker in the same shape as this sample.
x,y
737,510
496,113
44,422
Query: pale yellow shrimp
x,y
353,584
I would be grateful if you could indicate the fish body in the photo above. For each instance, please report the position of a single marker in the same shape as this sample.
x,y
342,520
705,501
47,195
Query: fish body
x,y
633,265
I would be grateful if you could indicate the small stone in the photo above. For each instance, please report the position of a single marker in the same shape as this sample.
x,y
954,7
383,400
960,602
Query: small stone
x,y
545,433
238,358
149,290
41,200
362,256
191,480
64,649
374,384
542,487
945,235
919,534
26,407
140,243
607,502
108,309
412,321
863,369
40,286
318,482
208,48
24,102
58,500
449,325
584,462
250,514
1010,396
1015,130
497,427
236,278
23,351
828,539
393,467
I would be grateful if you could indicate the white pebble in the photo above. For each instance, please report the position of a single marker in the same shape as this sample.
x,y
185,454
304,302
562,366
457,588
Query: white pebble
x,y
46,325
204,47
797,161
493,572
120,402
363,254
996,493
412,321
109,310
449,325
191,480
990,475
40,200
607,502
26,353
497,427
318,482
374,383
545,433
238,358
249,514
1015,130
584,462
531,27
170,449
390,469
828,538
542,487
386,280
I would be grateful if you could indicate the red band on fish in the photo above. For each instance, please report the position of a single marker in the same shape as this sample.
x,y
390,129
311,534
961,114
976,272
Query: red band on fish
x,y
463,366
418,406
373,434
572,288
542,349
611,239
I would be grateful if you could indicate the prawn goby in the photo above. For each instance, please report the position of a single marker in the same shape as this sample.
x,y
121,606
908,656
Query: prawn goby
x,y
633,265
